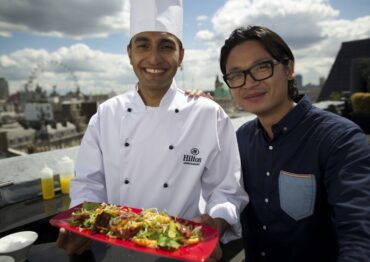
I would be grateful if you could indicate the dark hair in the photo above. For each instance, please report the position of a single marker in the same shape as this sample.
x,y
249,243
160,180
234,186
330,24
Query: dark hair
x,y
271,41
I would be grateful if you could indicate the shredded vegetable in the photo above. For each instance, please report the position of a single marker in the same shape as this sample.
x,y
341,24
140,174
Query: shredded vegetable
x,y
150,228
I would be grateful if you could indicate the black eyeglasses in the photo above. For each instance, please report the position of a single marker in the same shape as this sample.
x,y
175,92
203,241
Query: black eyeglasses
x,y
258,72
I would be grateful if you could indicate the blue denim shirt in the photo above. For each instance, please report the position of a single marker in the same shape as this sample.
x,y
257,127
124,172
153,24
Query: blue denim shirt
x,y
309,188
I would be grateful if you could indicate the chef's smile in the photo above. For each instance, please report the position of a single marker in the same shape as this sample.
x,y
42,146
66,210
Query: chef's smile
x,y
154,71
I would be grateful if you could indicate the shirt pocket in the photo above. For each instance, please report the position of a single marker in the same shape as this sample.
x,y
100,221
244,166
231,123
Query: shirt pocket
x,y
297,194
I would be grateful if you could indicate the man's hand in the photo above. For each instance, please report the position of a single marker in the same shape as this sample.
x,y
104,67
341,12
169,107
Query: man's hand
x,y
198,93
72,243
218,223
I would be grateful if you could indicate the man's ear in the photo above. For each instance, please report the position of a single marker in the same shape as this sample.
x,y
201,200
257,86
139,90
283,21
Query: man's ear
x,y
129,54
181,56
290,70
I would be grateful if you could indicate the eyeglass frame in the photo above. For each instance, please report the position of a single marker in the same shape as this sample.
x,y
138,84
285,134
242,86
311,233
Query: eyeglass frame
x,y
247,72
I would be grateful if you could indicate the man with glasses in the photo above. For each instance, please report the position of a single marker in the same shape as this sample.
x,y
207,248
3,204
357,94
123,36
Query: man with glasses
x,y
307,171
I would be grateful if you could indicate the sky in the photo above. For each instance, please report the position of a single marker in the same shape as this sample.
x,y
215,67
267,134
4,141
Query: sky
x,y
79,43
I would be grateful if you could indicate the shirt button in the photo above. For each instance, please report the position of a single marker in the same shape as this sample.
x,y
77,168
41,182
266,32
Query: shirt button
x,y
267,173
129,109
126,181
264,227
165,185
266,200
263,254
285,128
271,147
127,144
176,110
171,147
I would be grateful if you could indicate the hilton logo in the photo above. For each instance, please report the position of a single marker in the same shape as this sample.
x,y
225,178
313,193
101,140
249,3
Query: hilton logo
x,y
192,159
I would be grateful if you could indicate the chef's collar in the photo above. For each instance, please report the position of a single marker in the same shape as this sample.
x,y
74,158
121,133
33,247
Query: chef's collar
x,y
165,101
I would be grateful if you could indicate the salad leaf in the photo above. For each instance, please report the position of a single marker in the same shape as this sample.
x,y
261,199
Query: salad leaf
x,y
90,206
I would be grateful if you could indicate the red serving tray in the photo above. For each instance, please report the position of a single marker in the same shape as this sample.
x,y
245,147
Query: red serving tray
x,y
197,252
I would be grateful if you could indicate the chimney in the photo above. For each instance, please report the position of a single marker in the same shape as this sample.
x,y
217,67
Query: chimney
x,y
3,141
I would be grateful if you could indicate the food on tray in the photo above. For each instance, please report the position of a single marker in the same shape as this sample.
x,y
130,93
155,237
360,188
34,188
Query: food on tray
x,y
149,228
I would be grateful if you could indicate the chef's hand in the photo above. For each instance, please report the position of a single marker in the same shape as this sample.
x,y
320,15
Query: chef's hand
x,y
198,93
218,223
72,243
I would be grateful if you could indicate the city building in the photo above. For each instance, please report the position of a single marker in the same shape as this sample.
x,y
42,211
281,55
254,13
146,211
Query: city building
x,y
322,81
71,110
298,81
223,97
61,135
4,89
345,75
38,112
15,139
311,90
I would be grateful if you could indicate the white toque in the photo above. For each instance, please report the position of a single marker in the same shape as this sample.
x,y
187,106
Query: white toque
x,y
156,15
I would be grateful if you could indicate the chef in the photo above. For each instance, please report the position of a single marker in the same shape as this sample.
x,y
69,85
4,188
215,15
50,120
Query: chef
x,y
153,147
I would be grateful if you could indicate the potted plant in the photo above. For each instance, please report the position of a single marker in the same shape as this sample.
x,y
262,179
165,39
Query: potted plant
x,y
361,110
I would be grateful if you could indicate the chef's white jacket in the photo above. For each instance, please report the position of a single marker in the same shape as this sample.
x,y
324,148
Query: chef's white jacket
x,y
162,157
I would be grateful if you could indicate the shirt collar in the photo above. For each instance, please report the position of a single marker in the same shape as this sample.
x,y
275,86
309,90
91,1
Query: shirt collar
x,y
292,118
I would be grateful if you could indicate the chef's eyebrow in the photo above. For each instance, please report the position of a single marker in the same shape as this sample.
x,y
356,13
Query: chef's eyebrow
x,y
163,40
141,39
167,41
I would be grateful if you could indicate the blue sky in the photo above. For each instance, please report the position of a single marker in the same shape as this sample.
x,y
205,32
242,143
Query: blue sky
x,y
90,37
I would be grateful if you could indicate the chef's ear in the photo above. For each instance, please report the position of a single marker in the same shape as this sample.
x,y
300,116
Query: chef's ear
x,y
181,57
129,51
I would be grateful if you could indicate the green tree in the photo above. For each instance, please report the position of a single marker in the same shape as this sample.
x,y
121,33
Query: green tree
x,y
365,69
335,96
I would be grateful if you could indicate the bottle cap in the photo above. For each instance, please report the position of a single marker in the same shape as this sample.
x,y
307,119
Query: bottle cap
x,y
46,171
66,164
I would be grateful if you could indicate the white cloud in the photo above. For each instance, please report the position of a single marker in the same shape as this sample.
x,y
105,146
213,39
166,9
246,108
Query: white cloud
x,y
6,28
296,20
6,62
348,29
200,68
317,59
205,35
310,27
67,67
202,18
77,19
95,71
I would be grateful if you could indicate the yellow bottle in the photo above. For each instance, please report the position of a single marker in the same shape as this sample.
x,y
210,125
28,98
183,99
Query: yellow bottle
x,y
47,183
66,173
64,183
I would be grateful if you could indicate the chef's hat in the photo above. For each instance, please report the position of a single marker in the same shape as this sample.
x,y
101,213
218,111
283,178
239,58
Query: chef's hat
x,y
156,15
